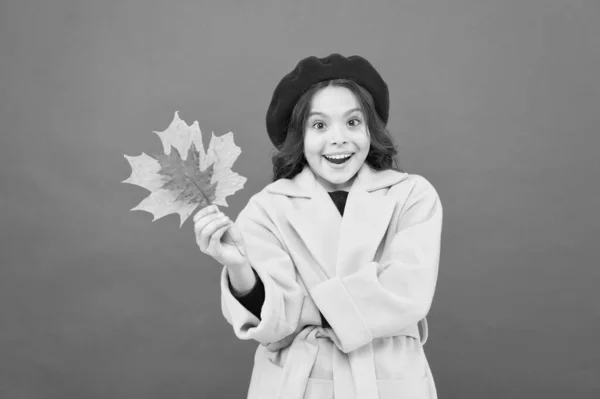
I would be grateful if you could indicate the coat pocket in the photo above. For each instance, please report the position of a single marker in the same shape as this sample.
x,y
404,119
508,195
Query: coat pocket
x,y
319,389
266,374
410,388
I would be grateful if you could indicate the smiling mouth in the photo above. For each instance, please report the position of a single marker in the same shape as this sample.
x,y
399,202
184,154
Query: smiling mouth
x,y
338,161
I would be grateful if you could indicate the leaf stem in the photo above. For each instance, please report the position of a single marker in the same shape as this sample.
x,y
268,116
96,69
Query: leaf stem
x,y
208,201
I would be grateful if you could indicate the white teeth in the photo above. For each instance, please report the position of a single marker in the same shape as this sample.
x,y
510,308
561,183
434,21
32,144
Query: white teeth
x,y
338,156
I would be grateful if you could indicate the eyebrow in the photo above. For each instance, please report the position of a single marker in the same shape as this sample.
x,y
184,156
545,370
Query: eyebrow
x,y
323,114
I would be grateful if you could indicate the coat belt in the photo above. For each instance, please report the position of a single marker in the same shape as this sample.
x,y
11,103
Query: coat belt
x,y
358,366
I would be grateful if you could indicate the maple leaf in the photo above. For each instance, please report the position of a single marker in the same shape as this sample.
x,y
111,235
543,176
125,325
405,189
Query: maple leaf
x,y
185,176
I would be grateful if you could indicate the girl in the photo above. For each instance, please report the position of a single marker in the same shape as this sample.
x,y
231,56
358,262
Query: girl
x,y
338,256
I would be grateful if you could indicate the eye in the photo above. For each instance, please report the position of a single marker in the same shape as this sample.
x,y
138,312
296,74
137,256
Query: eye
x,y
318,125
354,122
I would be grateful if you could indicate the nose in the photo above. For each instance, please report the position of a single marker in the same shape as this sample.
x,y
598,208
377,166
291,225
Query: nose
x,y
337,135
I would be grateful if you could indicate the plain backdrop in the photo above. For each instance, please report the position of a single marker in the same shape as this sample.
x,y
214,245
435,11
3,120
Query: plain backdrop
x,y
495,102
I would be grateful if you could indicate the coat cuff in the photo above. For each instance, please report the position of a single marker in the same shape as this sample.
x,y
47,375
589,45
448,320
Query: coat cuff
x,y
246,325
253,300
336,304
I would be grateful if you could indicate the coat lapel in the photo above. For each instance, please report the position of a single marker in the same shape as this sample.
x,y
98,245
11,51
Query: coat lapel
x,y
340,245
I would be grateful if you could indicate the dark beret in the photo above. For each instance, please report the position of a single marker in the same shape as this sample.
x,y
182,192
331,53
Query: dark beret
x,y
312,70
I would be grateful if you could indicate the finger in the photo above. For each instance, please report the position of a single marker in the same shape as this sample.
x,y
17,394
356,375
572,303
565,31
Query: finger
x,y
205,211
201,224
209,230
203,221
213,226
215,238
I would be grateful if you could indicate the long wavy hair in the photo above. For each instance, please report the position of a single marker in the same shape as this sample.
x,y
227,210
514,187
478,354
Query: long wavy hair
x,y
289,160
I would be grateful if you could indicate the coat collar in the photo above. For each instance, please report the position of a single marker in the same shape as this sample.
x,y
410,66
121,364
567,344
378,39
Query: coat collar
x,y
304,184
340,245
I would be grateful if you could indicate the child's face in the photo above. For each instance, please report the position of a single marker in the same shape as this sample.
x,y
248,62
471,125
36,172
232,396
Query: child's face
x,y
335,124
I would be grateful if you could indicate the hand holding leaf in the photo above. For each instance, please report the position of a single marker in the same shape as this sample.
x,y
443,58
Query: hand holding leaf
x,y
209,226
185,177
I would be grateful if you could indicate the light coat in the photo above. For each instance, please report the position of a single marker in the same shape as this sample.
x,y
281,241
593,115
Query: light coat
x,y
372,273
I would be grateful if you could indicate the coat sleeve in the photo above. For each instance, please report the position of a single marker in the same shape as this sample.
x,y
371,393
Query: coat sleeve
x,y
381,299
280,313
